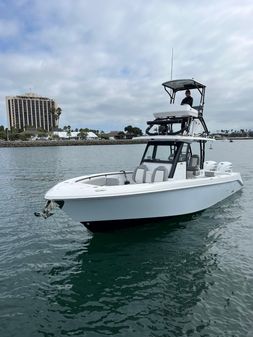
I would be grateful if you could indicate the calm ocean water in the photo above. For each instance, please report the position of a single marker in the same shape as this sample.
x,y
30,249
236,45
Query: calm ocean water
x,y
190,277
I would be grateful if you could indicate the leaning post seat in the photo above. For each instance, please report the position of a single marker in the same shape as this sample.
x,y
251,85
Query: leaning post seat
x,y
139,174
159,174
193,168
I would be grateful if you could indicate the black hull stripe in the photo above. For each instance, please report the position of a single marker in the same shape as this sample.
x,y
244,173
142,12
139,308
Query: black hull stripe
x,y
105,226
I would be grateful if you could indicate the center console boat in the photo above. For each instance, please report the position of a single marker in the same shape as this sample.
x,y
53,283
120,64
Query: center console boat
x,y
173,178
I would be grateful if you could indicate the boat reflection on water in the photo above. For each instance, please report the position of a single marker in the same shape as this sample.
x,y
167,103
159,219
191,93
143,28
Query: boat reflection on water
x,y
140,280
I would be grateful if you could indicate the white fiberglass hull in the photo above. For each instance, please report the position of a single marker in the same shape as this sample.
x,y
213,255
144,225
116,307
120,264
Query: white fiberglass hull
x,y
97,207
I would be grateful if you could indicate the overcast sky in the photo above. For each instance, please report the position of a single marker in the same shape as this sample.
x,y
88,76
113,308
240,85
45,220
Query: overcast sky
x,y
104,61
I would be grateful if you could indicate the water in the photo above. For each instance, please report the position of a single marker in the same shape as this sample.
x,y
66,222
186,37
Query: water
x,y
190,277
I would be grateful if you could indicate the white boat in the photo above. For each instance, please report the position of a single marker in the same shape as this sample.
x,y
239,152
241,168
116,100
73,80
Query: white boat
x,y
172,179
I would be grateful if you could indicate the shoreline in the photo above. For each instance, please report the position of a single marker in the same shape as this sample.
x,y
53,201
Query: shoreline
x,y
39,143
67,142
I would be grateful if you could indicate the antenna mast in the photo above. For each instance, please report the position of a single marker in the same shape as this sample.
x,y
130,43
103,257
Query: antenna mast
x,y
171,65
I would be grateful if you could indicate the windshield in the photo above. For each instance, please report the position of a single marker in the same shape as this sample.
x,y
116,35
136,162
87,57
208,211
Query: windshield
x,y
161,152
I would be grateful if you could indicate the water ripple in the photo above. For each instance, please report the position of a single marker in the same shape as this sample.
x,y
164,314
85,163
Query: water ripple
x,y
190,277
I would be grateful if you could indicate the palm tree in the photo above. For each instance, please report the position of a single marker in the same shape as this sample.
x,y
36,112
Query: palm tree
x,y
83,133
56,112
69,131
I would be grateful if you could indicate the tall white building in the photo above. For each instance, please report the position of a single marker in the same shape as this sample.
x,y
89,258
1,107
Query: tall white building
x,y
31,110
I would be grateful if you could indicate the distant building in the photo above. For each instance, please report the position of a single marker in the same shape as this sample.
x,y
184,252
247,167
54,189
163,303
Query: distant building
x,y
112,135
31,110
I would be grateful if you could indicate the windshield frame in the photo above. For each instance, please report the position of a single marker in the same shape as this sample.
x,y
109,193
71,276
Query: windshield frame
x,y
177,147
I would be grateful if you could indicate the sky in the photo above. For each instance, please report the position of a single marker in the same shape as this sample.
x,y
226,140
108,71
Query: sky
x,y
104,61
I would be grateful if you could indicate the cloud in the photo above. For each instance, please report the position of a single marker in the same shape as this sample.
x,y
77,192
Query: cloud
x,y
104,62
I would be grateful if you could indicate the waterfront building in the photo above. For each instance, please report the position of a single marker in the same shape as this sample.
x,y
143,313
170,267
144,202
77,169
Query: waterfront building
x,y
74,135
31,110
112,135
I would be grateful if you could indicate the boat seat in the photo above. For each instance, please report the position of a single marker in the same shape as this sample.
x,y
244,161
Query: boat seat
x,y
139,174
159,174
193,168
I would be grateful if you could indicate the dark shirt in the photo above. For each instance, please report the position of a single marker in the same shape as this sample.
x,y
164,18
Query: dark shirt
x,y
187,100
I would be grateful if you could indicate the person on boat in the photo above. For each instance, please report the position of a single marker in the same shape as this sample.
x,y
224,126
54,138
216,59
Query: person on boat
x,y
188,99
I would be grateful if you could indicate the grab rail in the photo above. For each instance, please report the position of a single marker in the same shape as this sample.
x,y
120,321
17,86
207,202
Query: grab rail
x,y
102,175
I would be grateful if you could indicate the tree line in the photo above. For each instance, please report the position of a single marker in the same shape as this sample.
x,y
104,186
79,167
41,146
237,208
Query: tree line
x,y
28,132
128,133
234,133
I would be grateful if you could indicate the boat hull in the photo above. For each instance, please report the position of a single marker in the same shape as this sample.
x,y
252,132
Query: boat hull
x,y
111,225
102,213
